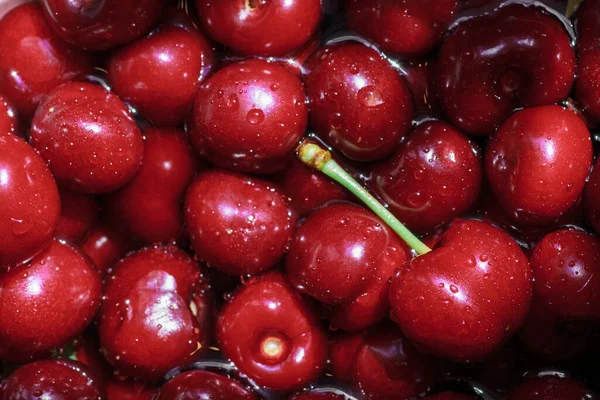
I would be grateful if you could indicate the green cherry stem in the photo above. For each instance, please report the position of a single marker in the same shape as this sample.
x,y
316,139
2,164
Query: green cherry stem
x,y
320,159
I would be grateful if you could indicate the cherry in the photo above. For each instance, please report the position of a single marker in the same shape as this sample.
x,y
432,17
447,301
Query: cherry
x,y
160,74
467,297
78,212
359,103
46,302
34,60
128,390
52,379
155,313
30,202
344,256
270,333
318,396
9,123
149,206
105,244
237,224
88,137
200,384
434,176
101,25
260,27
550,387
409,28
591,198
449,396
420,77
518,56
249,116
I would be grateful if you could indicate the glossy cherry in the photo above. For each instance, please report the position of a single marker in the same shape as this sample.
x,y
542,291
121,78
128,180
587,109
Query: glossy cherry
x,y
550,387
46,302
160,74
101,24
358,102
260,27
237,224
201,384
106,244
149,207
537,163
88,137
249,116
469,295
156,312
129,390
409,28
270,333
9,122
78,212
518,56
30,202
434,176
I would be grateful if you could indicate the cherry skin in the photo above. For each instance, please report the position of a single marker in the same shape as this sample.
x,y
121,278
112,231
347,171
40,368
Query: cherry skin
x,y
270,333
434,176
101,25
88,137
9,123
549,387
537,163
160,74
237,224
469,295
106,244
149,206
30,202
358,102
409,28
155,313
200,384
260,27
518,56
249,116
128,390
78,213
591,198
52,379
46,302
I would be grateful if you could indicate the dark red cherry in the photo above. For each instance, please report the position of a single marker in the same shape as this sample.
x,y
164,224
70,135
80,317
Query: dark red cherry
x,y
518,56
591,198
434,176
469,295
260,27
420,77
318,396
149,206
448,396
551,387
588,26
58,379
200,384
587,85
9,121
88,137
409,28
249,116
78,212
105,244
537,163
160,74
153,317
358,102
30,202
34,60
46,302
129,390
237,224
101,24
269,332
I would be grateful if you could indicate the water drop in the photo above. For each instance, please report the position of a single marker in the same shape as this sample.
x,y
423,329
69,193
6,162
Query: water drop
x,y
255,116
370,96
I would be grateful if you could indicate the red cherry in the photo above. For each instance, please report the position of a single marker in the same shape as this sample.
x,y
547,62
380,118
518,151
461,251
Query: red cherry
x,y
237,224
591,198
249,116
52,379
9,123
318,396
88,137
128,390
34,60
537,163
200,384
358,102
434,176
149,206
46,302
518,56
587,85
465,298
154,315
30,201
100,25
270,333
420,77
78,212
588,25
260,27
105,244
409,28
550,387
448,396
160,74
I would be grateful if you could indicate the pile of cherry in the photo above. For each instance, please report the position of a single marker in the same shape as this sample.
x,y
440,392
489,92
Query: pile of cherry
x,y
159,239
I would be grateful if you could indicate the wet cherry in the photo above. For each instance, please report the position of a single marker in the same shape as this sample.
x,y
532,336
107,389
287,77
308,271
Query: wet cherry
x,y
200,384
78,212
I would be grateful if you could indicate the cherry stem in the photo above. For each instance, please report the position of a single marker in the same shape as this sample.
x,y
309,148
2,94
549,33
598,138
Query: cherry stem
x,y
320,159
571,6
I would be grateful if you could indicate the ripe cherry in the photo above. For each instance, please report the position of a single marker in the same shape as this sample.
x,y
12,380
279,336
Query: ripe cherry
x,y
550,387
105,244
200,384
78,212
128,390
